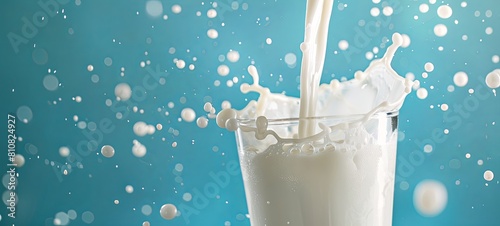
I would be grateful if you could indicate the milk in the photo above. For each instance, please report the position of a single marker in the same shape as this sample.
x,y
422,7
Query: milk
x,y
328,157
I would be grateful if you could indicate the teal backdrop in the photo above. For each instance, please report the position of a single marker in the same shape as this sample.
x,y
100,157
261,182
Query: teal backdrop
x,y
47,46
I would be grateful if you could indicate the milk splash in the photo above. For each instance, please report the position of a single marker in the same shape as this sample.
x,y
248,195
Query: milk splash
x,y
328,157
377,89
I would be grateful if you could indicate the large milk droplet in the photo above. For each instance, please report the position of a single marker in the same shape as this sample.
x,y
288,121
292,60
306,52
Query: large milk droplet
x,y
50,82
180,64
154,8
422,93
493,79
211,13
202,122
429,67
123,91
142,129
19,160
233,56
212,33
108,151
343,45
460,79
64,151
224,116
188,114
223,70
168,211
488,175
440,30
444,11
430,198
138,149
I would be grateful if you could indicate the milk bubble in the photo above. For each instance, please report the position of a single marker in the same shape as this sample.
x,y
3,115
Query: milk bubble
x,y
460,79
123,91
430,198
168,211
188,114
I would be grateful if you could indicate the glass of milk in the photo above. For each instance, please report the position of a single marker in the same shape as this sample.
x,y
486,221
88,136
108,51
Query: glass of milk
x,y
341,176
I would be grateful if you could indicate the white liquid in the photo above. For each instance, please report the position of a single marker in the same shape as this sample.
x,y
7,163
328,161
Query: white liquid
x,y
315,172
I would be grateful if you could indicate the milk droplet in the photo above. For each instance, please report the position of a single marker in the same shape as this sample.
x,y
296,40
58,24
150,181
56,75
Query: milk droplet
x,y
176,9
19,160
224,116
424,8
375,11
168,211
488,175
495,59
444,107
440,30
387,11
343,45
460,79
207,107
138,149
444,11
180,64
141,129
212,33
269,41
108,151
406,41
422,93
64,151
233,56
226,104
90,67
154,8
493,79
211,13
123,91
232,124
188,114
202,122
429,67
129,189
430,198
50,82
223,70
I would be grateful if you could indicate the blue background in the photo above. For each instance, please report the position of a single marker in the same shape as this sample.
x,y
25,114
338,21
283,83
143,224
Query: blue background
x,y
89,31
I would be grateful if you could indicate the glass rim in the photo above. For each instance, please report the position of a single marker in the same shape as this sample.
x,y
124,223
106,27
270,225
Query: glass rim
x,y
331,117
